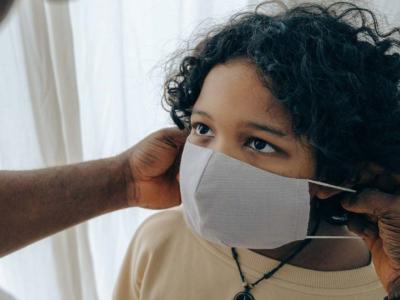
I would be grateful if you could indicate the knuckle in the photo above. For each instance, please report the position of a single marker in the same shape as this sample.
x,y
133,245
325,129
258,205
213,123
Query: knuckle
x,y
368,194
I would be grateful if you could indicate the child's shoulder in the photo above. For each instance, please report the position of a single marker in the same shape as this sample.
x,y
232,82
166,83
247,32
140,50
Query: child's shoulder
x,y
168,220
162,227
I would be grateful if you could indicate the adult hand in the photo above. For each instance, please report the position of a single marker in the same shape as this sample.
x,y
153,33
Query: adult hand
x,y
376,219
151,169
37,203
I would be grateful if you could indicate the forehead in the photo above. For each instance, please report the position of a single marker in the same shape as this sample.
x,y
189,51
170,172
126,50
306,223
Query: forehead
x,y
235,90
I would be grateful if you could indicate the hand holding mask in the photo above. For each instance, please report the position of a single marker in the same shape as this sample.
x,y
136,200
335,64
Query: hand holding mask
x,y
376,219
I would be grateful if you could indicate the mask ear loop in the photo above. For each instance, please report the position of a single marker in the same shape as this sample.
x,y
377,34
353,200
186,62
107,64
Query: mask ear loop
x,y
319,215
315,229
337,187
339,219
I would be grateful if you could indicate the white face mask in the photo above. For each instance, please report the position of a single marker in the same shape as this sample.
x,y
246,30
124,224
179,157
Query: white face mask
x,y
230,202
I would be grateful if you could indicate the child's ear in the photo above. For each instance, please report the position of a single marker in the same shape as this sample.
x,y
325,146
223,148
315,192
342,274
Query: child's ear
x,y
324,192
177,176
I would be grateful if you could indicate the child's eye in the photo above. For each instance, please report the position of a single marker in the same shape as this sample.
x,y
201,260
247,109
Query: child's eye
x,y
260,145
202,129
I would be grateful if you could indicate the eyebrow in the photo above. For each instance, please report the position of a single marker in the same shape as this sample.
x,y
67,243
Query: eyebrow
x,y
253,125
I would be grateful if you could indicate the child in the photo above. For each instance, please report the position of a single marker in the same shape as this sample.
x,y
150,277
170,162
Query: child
x,y
305,94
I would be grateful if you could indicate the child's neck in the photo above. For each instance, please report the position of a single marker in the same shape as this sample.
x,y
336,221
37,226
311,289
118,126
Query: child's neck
x,y
325,254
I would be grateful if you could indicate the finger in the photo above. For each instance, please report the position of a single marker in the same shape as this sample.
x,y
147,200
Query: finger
x,y
374,244
356,225
173,136
362,226
368,233
372,202
176,138
173,170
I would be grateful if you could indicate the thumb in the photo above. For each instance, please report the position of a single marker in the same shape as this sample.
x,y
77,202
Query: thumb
x,y
173,136
372,202
362,226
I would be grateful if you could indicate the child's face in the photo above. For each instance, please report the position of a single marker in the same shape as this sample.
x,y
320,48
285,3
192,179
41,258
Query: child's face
x,y
237,115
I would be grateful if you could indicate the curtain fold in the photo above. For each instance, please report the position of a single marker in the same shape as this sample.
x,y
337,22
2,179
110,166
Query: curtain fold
x,y
44,31
47,51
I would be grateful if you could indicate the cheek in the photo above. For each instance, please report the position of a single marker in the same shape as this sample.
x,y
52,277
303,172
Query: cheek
x,y
304,162
305,169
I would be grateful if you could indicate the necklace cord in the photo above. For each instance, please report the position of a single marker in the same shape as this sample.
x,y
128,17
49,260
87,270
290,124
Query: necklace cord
x,y
269,274
236,258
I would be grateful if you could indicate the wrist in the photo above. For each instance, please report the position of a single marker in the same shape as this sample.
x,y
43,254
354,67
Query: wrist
x,y
118,181
127,180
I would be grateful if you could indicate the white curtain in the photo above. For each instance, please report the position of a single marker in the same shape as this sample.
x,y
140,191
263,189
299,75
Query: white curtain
x,y
81,80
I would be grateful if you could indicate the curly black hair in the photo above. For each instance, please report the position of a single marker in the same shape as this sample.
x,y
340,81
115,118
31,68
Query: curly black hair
x,y
330,67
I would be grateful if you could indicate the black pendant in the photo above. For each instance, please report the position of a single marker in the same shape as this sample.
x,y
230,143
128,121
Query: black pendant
x,y
245,295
